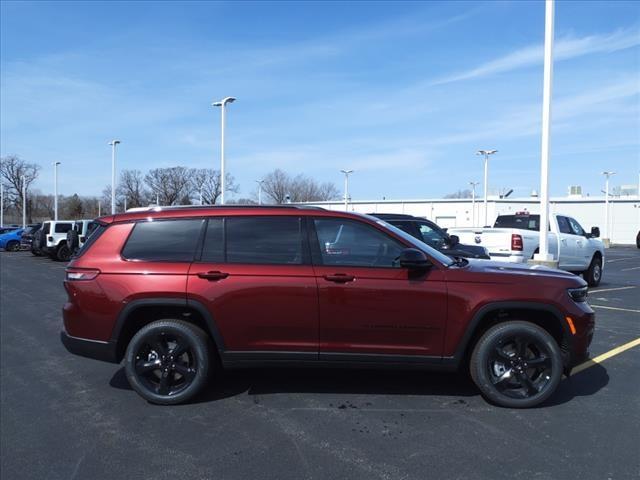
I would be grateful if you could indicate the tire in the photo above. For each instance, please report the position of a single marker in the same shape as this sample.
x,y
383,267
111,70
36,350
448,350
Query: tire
x,y
63,254
73,240
593,274
501,365
152,347
12,246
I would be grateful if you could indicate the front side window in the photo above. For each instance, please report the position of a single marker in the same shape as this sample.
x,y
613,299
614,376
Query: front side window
x,y
163,240
576,228
345,242
264,240
563,225
431,236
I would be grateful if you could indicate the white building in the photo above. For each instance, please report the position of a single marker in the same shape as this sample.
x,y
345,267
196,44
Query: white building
x,y
624,213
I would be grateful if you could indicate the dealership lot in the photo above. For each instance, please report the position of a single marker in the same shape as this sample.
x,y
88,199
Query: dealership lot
x,y
67,417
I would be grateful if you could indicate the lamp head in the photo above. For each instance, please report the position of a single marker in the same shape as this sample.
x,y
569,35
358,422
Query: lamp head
x,y
223,102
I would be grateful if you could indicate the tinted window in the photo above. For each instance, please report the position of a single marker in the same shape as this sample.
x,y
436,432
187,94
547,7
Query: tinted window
x,y
576,228
404,226
63,227
264,240
525,222
163,240
431,236
563,225
213,250
345,242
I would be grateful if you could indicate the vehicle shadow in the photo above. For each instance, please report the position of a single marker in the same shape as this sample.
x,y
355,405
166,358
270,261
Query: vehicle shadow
x,y
374,382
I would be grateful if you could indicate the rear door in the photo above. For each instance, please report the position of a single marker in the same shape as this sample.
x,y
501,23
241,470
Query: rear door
x,y
256,280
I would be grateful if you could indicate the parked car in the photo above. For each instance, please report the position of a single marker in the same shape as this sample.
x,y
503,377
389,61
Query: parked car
x,y
515,238
8,229
26,242
78,234
53,239
434,236
176,291
10,241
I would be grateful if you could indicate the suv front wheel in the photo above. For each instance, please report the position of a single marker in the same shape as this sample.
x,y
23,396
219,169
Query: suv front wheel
x,y
168,361
516,364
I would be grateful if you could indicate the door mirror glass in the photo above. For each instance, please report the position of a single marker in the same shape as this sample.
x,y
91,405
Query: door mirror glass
x,y
413,259
595,232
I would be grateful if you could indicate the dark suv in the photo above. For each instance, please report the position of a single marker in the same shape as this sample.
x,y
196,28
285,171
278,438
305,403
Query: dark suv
x,y
433,235
176,292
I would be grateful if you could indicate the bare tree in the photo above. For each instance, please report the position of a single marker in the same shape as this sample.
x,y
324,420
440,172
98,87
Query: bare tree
x,y
172,185
208,180
72,207
131,187
278,185
12,169
459,194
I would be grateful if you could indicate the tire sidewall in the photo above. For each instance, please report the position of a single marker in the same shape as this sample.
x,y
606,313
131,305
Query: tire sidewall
x,y
12,246
63,253
591,280
490,340
198,342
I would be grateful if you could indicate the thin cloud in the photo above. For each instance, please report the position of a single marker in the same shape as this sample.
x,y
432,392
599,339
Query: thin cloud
x,y
564,49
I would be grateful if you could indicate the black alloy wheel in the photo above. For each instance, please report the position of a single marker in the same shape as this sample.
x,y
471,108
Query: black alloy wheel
x,y
167,361
516,364
12,246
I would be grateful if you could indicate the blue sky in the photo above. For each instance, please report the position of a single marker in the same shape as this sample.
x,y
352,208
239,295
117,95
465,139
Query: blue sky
x,y
403,93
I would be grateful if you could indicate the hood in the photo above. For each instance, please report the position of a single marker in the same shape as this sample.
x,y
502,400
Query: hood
x,y
503,272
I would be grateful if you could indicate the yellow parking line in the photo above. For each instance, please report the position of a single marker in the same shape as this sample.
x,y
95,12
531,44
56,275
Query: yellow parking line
x,y
601,358
616,308
611,289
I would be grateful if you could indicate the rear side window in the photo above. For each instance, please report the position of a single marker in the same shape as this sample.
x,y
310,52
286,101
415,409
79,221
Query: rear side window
x,y
63,227
163,240
264,240
525,222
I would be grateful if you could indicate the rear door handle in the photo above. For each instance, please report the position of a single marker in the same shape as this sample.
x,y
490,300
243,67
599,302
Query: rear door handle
x,y
213,275
340,278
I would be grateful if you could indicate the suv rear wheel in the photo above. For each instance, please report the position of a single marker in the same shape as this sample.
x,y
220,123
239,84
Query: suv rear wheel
x,y
516,364
168,361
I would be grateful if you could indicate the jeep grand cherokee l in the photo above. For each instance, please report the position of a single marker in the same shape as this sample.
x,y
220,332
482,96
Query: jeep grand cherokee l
x,y
176,292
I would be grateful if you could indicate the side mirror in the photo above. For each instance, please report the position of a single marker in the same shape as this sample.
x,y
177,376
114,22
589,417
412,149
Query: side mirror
x,y
454,240
414,259
445,229
595,232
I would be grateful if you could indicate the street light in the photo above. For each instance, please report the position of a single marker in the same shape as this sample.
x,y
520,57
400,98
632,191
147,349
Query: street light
x,y
222,103
473,202
24,202
1,204
485,154
259,182
346,188
55,190
606,204
113,144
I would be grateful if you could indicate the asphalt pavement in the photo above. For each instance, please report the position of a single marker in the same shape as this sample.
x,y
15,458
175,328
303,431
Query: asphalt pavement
x,y
67,417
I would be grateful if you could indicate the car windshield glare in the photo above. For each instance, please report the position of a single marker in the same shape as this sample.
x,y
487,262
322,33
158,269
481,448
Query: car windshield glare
x,y
432,252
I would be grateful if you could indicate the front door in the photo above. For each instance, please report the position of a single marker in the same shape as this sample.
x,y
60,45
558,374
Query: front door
x,y
256,280
368,304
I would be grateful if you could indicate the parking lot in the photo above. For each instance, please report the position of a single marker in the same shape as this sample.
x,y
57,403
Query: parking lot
x,y
68,417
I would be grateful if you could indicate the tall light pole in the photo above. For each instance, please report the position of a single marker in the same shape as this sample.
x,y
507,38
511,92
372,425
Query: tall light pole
x,y
24,202
485,154
606,204
113,144
346,188
473,202
222,104
1,204
259,182
55,190
99,208
544,255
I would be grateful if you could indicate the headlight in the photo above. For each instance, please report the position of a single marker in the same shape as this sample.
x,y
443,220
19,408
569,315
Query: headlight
x,y
578,294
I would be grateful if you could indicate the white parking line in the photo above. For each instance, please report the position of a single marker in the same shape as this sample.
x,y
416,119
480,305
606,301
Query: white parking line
x,y
627,269
621,259
611,289
616,308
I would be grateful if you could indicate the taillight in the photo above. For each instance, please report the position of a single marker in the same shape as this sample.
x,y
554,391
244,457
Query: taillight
x,y
78,274
516,242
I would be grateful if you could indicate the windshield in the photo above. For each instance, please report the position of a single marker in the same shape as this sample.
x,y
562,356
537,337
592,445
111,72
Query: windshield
x,y
440,257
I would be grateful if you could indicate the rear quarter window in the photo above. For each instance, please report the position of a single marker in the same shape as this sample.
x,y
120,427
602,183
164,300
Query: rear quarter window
x,y
163,240
63,227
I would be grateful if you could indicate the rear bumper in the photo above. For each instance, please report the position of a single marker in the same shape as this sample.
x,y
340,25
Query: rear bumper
x,y
105,351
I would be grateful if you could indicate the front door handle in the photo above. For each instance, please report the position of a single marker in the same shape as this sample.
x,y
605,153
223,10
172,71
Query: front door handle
x,y
340,278
213,275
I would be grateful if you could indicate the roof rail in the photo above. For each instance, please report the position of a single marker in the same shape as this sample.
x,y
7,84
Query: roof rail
x,y
156,208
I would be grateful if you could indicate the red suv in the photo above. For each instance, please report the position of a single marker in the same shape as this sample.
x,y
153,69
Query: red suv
x,y
177,292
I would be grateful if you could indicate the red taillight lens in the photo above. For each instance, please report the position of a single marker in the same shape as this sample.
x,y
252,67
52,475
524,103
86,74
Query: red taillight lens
x,y
79,274
516,242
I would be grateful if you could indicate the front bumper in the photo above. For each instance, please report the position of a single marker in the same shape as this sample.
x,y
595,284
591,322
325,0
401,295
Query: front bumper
x,y
105,351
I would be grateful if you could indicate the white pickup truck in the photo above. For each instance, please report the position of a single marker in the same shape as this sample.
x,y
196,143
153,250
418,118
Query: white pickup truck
x,y
515,238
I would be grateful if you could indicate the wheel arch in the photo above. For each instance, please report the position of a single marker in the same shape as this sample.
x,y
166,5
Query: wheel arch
x,y
138,313
544,315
